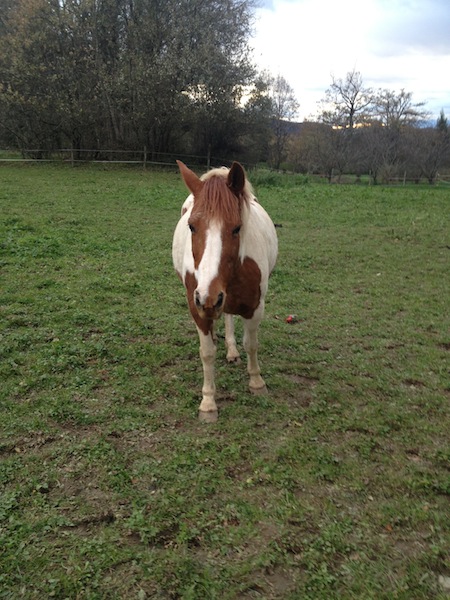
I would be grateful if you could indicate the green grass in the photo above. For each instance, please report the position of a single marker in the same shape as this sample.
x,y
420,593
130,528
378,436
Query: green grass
x,y
334,486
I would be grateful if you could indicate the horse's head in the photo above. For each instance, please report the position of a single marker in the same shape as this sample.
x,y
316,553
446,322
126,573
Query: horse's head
x,y
215,224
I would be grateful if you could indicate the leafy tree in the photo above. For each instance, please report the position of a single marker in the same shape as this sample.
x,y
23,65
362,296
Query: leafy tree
x,y
123,73
53,73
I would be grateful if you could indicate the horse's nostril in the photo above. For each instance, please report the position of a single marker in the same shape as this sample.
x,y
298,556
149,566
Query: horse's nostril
x,y
219,300
197,298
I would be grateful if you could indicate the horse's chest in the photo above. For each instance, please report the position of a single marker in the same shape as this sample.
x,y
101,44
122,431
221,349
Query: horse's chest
x,y
244,289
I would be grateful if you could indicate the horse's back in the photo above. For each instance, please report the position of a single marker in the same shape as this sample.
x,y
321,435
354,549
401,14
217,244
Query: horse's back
x,y
260,242
181,245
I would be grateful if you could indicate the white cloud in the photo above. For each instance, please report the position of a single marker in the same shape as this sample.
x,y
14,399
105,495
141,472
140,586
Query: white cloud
x,y
412,26
394,44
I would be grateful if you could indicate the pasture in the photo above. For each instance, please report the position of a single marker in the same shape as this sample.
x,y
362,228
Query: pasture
x,y
334,486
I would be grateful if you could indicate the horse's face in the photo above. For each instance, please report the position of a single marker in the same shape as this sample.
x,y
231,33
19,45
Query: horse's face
x,y
215,225
215,248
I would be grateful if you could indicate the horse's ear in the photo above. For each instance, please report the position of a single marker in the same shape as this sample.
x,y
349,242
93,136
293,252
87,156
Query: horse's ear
x,y
236,178
194,183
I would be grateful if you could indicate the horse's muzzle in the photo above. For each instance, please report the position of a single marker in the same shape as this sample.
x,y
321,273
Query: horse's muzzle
x,y
211,307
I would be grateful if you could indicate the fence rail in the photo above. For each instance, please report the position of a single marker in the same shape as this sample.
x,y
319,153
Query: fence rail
x,y
142,157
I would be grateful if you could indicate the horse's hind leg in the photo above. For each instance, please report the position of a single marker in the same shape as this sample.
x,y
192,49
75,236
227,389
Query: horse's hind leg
x,y
257,384
230,340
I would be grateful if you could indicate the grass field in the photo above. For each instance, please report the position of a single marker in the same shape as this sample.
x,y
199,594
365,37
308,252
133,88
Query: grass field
x,y
335,486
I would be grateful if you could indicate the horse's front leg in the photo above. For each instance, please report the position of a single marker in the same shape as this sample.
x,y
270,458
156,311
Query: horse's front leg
x,y
257,384
230,340
208,408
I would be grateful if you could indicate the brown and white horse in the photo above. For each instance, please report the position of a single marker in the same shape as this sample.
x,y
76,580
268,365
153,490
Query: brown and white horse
x,y
224,249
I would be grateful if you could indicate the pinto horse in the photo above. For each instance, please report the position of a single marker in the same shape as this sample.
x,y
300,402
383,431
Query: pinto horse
x,y
224,249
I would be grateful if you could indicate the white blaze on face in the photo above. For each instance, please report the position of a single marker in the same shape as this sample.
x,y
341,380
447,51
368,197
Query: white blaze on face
x,y
208,268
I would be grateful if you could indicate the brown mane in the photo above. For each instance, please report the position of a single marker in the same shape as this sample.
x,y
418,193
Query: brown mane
x,y
217,200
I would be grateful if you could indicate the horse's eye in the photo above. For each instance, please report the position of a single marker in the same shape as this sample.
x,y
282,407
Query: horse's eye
x,y
191,227
236,230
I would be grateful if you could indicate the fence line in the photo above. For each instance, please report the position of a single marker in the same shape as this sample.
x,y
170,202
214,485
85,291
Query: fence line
x,y
142,157
68,155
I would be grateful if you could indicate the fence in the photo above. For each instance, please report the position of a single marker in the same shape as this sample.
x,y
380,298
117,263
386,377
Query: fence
x,y
142,157
146,158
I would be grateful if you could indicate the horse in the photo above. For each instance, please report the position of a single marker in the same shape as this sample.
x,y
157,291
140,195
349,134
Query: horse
x,y
224,249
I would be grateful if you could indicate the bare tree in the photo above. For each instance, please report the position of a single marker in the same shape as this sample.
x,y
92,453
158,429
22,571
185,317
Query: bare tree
x,y
284,109
347,105
380,132
395,110
379,152
347,102
428,149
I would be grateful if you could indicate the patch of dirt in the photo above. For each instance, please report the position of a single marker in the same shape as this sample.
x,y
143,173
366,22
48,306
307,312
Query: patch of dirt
x,y
95,520
37,441
84,505
303,398
414,383
395,345
280,582
303,380
303,393
271,583
225,399
29,443
142,441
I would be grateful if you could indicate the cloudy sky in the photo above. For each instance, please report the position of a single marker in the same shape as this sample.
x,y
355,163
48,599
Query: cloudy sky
x,y
394,44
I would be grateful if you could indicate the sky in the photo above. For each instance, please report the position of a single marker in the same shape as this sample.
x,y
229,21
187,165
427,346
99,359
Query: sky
x,y
394,44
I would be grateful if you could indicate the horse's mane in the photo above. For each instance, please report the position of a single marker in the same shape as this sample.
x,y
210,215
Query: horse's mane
x,y
223,172
217,198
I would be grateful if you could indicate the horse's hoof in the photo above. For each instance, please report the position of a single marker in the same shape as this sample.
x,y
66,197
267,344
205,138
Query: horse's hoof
x,y
208,416
235,360
262,391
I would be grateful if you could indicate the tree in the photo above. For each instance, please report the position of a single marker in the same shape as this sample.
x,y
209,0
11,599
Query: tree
x,y
347,102
54,72
429,148
323,149
379,151
6,7
256,122
346,106
398,116
442,122
123,73
284,107
396,110
380,132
